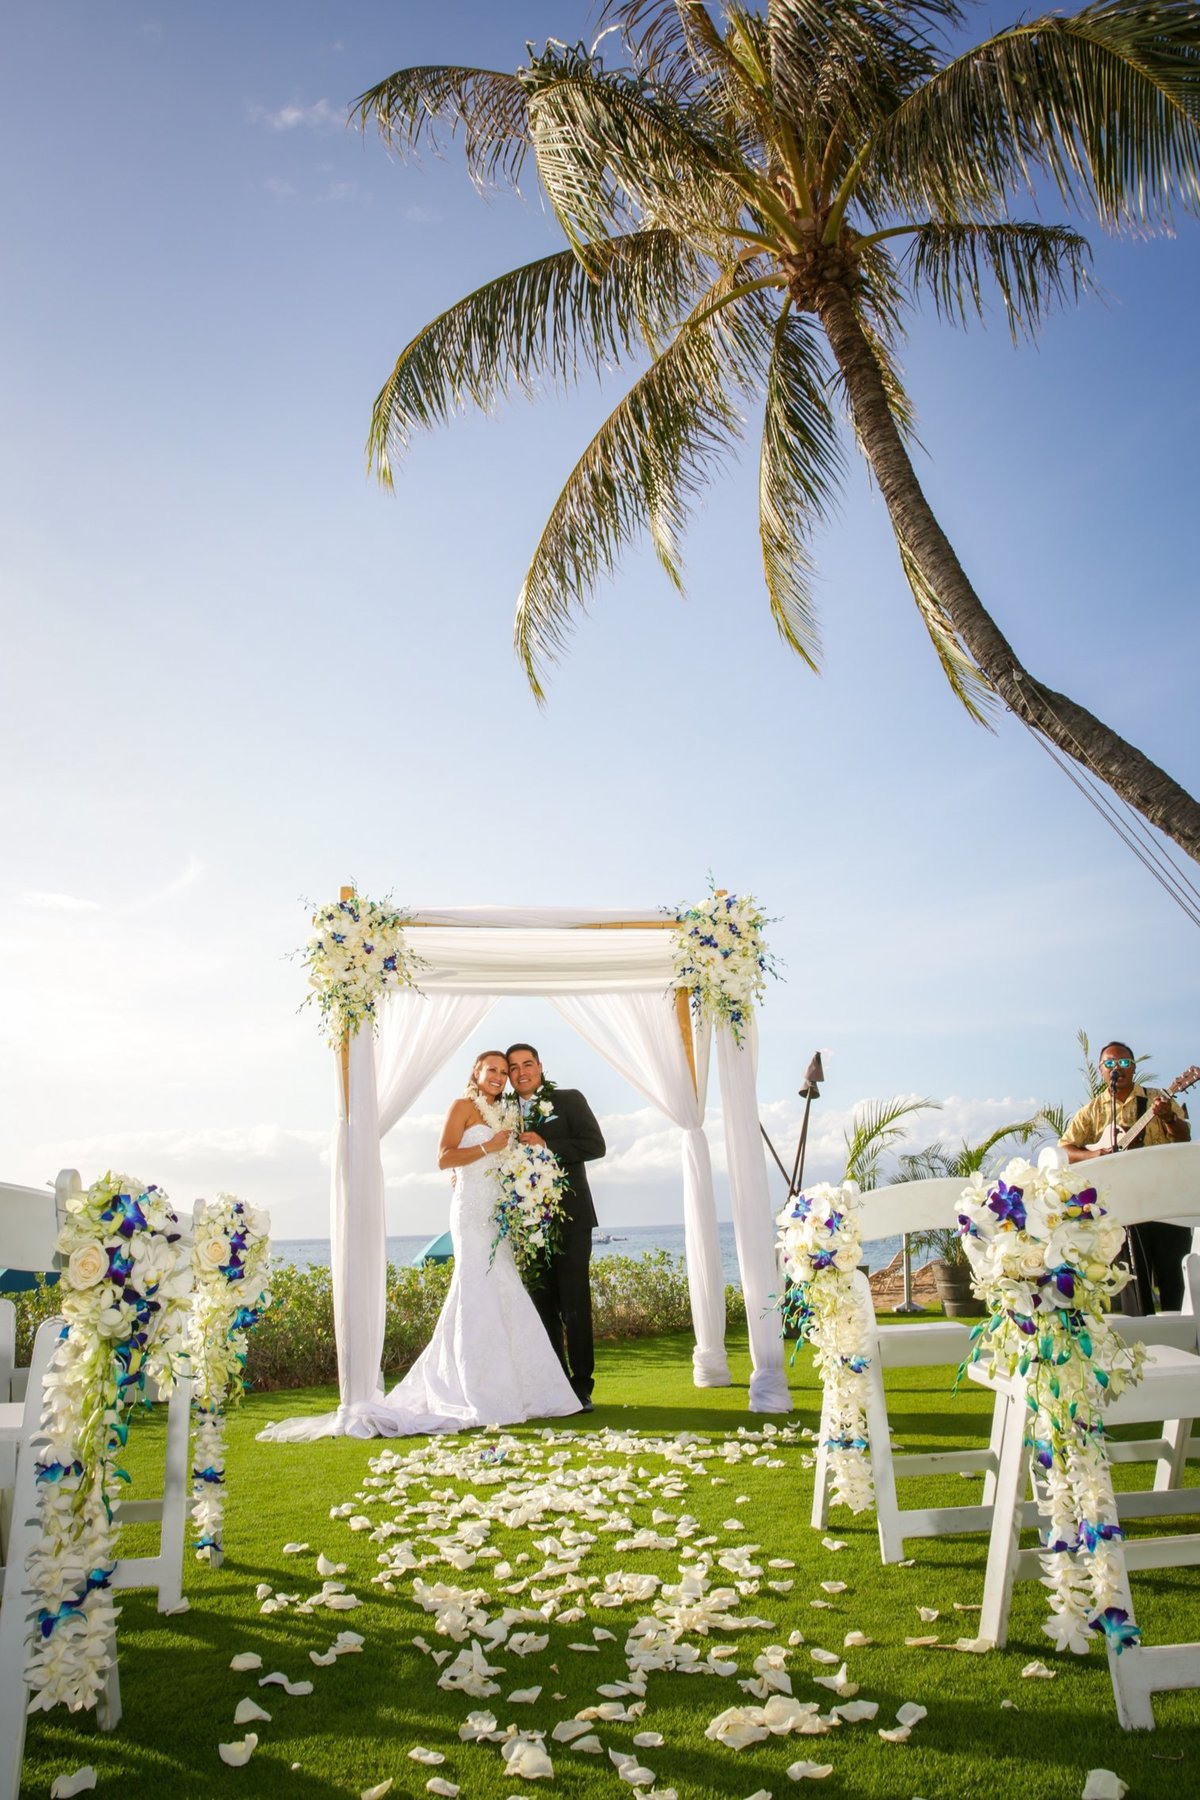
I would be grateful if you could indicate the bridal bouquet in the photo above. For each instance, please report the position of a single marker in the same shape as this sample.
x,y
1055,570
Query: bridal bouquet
x,y
124,1297
820,1247
1043,1252
529,1211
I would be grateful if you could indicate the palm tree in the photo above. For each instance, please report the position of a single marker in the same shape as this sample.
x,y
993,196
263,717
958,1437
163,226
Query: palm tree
x,y
751,202
936,1159
876,1127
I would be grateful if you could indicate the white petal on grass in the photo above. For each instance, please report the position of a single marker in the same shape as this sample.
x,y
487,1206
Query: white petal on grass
x,y
1009,1705
524,1696
527,1760
649,1740
294,1549
833,1587
437,1784
66,1786
781,1562
590,1745
278,1679
636,1776
180,1606
325,1567
239,1754
927,1614
431,1758
809,1771
824,1656
857,1640
246,1660
900,1735
477,1725
1037,1671
911,1713
1102,1784
919,1643
262,1591
853,1712
248,1711
829,1543
567,1730
378,1791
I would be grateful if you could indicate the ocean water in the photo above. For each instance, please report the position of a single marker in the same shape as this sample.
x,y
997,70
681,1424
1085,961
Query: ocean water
x,y
611,1240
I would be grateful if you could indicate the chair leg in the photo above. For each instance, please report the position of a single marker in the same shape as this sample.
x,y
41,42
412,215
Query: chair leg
x,y
820,1505
887,1504
995,1450
108,1700
176,1489
1169,1470
1005,1541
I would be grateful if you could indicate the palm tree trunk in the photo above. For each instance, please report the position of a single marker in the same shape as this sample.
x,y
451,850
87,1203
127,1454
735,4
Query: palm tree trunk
x,y
1074,730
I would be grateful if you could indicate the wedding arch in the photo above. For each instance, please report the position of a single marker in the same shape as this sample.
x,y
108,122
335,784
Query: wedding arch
x,y
613,976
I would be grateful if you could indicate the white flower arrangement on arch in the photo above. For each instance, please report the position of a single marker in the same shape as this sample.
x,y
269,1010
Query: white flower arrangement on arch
x,y
721,957
126,1279
819,1242
1043,1252
355,954
231,1256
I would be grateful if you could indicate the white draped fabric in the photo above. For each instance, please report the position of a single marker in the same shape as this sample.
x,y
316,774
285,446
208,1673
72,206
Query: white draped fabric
x,y
616,987
418,1034
753,1225
639,1035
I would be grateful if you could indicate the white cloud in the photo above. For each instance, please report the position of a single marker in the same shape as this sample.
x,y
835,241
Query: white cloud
x,y
336,193
56,902
279,190
318,116
421,215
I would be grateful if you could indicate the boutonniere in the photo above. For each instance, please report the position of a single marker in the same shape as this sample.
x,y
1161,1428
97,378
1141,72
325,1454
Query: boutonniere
x,y
543,1103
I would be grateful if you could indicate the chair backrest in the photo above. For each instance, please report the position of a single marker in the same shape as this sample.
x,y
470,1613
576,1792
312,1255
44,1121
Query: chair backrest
x,y
1162,1182
8,1348
28,1227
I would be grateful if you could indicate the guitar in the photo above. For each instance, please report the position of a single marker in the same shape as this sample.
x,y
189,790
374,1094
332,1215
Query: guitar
x,y
1131,1134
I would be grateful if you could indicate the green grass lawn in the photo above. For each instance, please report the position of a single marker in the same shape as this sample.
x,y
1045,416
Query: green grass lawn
x,y
367,1711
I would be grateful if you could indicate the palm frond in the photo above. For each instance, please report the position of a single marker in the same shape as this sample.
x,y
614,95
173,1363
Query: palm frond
x,y
487,106
1034,267
876,1127
671,40
644,468
968,685
539,325
800,466
612,157
844,68
1105,102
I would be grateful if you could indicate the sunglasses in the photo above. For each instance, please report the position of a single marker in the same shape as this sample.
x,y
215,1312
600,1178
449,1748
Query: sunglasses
x,y
1117,1062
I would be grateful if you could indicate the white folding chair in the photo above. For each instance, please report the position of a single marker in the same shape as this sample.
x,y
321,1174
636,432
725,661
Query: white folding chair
x,y
1169,1388
911,1206
29,1223
19,1426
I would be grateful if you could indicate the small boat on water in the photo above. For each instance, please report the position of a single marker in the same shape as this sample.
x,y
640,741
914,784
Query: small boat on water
x,y
608,1237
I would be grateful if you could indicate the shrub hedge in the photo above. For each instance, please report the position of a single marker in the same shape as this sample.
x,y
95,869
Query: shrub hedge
x,y
293,1345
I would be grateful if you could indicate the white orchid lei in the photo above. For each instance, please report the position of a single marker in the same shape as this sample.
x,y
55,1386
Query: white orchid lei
x,y
231,1262
357,951
124,1293
1042,1250
720,954
820,1246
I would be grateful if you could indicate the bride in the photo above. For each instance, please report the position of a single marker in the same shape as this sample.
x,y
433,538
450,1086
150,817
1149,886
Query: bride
x,y
489,1361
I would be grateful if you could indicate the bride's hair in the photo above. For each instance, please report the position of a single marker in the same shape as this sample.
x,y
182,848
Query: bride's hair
x,y
484,1056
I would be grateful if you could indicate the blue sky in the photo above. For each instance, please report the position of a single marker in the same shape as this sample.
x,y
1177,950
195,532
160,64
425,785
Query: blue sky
x,y
238,674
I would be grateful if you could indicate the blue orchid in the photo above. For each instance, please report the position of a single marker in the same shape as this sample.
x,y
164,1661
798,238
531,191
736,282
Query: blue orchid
x,y
1117,1626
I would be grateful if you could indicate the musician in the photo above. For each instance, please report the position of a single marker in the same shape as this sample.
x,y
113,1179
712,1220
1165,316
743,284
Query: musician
x,y
1159,1249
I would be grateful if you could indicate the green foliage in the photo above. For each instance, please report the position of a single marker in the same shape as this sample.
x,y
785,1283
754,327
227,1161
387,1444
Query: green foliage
x,y
294,1344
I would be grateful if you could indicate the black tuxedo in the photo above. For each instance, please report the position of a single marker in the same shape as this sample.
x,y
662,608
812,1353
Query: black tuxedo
x,y
561,1289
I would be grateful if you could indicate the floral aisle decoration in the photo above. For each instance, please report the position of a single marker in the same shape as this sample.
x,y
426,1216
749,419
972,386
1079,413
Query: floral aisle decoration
x,y
721,957
355,954
231,1256
1043,1255
819,1244
126,1278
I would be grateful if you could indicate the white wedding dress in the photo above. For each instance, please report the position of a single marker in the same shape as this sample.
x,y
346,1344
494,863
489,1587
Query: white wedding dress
x,y
489,1361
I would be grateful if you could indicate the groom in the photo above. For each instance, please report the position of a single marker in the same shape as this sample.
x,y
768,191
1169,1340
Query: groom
x,y
562,1120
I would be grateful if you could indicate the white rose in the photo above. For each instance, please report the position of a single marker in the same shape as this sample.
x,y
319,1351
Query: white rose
x,y
88,1264
213,1252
